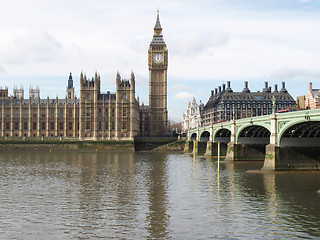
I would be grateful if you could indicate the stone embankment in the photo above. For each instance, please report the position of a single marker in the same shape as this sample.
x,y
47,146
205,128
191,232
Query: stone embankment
x,y
66,146
173,146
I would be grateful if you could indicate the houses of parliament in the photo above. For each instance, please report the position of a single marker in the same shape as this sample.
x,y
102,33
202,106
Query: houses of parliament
x,y
94,115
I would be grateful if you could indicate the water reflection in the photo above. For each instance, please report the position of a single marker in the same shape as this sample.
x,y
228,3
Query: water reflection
x,y
66,195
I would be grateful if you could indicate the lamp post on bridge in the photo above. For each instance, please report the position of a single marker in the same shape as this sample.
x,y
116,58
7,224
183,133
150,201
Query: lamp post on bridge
x,y
273,105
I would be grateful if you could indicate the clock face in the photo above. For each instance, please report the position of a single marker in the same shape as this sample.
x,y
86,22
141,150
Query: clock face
x,y
157,58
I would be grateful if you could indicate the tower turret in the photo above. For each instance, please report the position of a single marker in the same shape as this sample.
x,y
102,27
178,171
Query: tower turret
x,y
70,88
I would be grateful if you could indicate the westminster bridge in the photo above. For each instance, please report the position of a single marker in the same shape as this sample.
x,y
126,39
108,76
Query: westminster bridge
x,y
283,140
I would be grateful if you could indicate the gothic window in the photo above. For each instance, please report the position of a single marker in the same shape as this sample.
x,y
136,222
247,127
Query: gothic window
x,y
34,113
8,113
61,125
52,113
112,112
107,125
43,113
99,125
25,126
100,112
124,112
34,126
124,125
88,125
88,96
61,113
107,112
70,113
52,125
88,112
16,113
112,126
7,125
16,125
70,125
43,126
124,96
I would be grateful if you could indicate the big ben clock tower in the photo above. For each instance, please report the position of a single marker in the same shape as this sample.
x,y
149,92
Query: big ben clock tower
x,y
158,65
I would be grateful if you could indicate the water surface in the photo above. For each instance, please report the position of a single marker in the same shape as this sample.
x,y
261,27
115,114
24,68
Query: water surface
x,y
70,195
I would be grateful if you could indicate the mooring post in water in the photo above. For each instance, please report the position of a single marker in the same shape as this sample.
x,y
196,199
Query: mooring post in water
x,y
218,156
218,174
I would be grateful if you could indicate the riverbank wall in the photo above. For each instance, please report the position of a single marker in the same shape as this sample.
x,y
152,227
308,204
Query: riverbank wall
x,y
139,144
56,145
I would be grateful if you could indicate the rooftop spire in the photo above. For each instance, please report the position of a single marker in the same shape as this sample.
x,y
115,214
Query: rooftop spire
x,y
158,25
157,36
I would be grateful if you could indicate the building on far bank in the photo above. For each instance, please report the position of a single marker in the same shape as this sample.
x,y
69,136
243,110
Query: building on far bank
x,y
94,115
313,98
301,100
192,118
224,104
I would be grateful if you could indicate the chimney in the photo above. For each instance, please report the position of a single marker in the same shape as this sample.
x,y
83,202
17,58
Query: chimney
x,y
276,88
246,89
211,92
215,91
310,86
219,89
283,89
266,89
228,87
223,87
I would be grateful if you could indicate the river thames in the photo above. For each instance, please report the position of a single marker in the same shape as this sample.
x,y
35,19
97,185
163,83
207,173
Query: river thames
x,y
151,195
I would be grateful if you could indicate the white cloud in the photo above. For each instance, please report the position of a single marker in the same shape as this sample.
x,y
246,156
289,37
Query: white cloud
x,y
33,47
194,43
183,96
177,87
1,69
291,73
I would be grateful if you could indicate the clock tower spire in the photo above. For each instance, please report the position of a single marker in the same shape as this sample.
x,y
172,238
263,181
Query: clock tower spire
x,y
158,65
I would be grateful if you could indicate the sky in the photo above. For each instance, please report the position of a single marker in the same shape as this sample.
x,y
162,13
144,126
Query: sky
x,y
209,42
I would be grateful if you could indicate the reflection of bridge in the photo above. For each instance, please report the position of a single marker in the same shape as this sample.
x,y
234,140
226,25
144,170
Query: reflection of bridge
x,y
283,140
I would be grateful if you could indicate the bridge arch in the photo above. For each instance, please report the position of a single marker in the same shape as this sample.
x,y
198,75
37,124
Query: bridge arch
x,y
222,135
301,133
253,134
204,137
193,137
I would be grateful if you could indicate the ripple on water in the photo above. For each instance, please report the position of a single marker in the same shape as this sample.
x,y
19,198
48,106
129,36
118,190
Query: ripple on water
x,y
151,196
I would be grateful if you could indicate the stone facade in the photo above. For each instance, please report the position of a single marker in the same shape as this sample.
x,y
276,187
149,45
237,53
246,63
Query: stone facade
x,y
192,118
225,105
313,98
95,115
